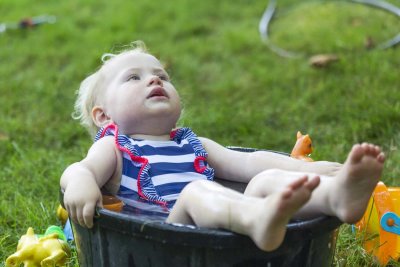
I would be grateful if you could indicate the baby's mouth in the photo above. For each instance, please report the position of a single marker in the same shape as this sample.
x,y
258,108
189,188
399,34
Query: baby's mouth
x,y
157,92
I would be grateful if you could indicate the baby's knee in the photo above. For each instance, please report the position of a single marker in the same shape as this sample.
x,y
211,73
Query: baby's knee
x,y
265,182
198,187
270,173
194,194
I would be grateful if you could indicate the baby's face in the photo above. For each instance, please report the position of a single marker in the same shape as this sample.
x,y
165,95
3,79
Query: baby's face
x,y
139,96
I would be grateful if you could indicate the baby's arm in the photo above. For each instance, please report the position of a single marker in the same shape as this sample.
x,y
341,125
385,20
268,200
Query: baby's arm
x,y
82,180
242,166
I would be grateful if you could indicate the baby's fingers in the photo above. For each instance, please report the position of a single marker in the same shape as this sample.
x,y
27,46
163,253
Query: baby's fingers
x,y
79,216
71,212
88,213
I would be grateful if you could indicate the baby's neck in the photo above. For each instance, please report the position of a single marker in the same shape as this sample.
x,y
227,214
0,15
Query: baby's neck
x,y
151,137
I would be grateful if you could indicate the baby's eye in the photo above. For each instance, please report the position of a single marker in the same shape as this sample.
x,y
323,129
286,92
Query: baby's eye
x,y
133,77
163,77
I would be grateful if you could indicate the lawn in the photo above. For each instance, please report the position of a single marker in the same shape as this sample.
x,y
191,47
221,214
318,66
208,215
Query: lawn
x,y
235,89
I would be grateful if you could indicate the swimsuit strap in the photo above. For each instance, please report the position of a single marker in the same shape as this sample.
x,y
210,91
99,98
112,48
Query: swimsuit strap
x,y
200,162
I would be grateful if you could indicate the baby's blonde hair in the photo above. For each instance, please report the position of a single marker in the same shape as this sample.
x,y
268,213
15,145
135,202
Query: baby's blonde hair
x,y
91,87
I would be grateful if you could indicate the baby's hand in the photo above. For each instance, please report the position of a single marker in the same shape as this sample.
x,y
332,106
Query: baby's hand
x,y
322,167
81,199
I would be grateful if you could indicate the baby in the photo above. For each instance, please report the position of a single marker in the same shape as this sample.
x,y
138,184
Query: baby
x,y
133,106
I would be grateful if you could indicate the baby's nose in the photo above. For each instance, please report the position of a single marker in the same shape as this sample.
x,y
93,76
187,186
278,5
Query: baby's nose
x,y
155,80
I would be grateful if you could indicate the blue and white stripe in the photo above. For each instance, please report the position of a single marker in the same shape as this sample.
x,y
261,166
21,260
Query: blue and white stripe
x,y
170,166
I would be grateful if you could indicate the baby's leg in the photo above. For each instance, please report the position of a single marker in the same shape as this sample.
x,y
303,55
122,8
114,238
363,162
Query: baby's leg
x,y
345,196
208,204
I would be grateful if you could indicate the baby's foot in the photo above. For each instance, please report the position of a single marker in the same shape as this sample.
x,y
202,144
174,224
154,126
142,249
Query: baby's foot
x,y
356,181
269,229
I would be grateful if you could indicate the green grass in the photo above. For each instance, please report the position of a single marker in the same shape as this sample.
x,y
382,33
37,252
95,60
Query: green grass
x,y
236,91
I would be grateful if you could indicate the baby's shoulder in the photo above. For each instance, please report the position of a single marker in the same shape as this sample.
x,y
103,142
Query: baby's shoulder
x,y
104,143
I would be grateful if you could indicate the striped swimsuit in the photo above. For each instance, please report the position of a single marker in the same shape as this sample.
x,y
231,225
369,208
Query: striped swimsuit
x,y
156,172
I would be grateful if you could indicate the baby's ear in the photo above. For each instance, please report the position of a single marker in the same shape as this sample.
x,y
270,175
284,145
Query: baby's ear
x,y
100,118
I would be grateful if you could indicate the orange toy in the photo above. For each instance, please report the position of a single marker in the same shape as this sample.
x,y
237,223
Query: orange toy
x,y
380,225
112,203
303,147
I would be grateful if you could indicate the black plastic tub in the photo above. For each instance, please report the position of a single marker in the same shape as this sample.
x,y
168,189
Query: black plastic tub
x,y
125,240
139,239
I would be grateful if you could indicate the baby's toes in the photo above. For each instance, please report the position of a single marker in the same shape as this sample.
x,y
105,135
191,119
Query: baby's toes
x,y
381,157
377,150
356,153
